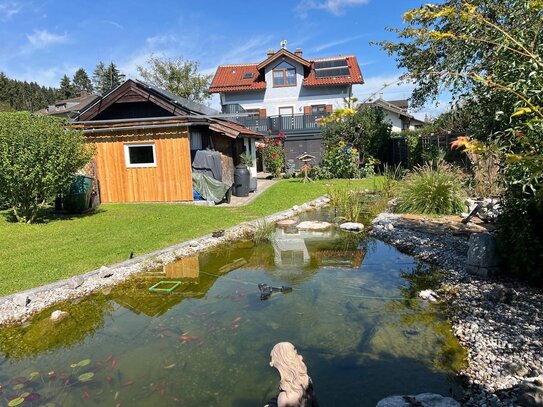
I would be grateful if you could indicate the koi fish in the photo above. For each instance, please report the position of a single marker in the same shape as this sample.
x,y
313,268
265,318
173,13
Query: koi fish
x,y
236,320
113,363
188,337
128,383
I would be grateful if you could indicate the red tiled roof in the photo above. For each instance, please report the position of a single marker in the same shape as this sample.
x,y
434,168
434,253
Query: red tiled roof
x,y
229,78
355,76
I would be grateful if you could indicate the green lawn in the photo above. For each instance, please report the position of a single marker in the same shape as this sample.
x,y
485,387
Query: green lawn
x,y
61,247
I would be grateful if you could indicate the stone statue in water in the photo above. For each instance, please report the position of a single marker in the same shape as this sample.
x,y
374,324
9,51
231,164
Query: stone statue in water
x,y
295,387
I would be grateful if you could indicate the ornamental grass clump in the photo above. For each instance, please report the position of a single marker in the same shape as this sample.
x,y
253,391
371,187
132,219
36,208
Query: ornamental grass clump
x,y
432,188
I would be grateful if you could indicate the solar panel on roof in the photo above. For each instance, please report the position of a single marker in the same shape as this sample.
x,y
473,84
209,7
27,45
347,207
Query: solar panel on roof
x,y
333,63
248,75
332,72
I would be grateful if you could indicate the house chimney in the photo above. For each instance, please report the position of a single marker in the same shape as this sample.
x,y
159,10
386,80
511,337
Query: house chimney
x,y
298,52
270,52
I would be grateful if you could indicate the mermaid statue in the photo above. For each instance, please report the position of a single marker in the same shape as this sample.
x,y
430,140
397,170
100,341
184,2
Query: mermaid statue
x,y
295,387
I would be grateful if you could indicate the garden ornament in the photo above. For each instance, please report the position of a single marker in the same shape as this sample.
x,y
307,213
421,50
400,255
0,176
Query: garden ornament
x,y
266,290
295,387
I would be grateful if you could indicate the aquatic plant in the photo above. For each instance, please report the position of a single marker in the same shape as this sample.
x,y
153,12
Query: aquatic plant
x,y
264,231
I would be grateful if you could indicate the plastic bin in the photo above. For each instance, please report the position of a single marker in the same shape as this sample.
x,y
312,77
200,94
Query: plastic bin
x,y
78,198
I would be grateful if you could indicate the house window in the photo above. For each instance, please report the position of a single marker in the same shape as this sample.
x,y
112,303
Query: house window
x,y
284,74
318,109
140,155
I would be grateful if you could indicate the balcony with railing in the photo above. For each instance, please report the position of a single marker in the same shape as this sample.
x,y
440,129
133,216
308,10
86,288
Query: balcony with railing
x,y
292,123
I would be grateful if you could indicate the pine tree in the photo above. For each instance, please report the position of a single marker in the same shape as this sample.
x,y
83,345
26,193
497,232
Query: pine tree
x,y
66,90
108,78
82,82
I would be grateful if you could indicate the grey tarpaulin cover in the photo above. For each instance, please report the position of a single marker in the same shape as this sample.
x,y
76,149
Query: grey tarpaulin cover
x,y
209,188
208,163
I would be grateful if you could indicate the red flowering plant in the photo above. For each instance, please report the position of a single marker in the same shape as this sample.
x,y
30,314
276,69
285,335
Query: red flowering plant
x,y
273,154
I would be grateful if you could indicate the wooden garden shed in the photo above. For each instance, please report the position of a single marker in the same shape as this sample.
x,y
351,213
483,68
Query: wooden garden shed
x,y
146,139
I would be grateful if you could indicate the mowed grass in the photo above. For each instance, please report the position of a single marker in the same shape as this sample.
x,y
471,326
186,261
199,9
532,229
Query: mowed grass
x,y
60,247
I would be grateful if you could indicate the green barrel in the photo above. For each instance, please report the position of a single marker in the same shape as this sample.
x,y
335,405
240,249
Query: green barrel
x,y
78,199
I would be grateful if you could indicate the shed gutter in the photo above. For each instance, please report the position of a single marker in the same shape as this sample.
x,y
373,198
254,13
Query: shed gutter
x,y
162,118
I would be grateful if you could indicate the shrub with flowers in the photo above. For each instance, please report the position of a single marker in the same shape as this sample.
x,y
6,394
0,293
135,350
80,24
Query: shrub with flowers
x,y
340,161
273,154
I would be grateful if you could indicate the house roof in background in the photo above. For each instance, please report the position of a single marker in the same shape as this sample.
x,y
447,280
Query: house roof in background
x,y
283,52
386,105
232,78
68,106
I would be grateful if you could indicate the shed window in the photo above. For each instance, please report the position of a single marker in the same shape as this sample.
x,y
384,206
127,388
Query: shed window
x,y
140,155
284,74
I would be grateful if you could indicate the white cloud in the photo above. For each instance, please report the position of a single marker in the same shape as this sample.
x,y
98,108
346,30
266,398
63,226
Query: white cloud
x,y
387,85
336,7
8,9
42,39
332,44
113,23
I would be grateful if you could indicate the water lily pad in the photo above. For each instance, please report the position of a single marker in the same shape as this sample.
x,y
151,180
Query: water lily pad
x,y
18,386
85,377
34,374
16,402
25,394
84,362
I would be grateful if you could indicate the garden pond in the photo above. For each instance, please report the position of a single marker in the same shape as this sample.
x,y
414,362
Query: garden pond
x,y
352,313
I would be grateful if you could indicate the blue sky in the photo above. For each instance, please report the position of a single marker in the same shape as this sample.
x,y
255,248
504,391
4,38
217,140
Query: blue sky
x,y
43,40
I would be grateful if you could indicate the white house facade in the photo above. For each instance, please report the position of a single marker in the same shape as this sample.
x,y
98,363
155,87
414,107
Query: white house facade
x,y
286,93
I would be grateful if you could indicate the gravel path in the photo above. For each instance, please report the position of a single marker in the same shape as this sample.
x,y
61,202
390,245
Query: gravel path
x,y
500,322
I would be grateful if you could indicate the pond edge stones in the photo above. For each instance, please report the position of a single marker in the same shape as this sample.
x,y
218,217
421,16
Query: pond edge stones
x,y
420,400
19,307
352,227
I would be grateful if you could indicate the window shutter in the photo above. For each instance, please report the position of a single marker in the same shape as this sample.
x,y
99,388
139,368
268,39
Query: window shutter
x,y
262,112
307,109
329,109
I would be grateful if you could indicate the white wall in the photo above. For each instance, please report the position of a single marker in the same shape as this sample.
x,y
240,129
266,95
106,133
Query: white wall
x,y
296,96
394,119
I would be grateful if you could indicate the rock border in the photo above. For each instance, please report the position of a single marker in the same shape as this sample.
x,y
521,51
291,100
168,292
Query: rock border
x,y
498,321
19,307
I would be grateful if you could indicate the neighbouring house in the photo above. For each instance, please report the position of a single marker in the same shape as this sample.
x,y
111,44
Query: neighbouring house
x,y
146,140
70,107
287,93
397,114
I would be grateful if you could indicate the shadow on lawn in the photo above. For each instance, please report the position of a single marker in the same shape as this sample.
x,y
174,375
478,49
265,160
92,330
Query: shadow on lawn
x,y
48,215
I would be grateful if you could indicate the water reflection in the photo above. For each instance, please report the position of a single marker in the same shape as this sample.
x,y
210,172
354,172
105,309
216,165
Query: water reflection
x,y
353,317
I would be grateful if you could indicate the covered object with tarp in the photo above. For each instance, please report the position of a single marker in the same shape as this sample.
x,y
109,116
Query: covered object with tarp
x,y
209,188
209,163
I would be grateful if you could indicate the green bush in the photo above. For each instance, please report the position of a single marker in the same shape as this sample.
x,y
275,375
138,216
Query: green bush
x,y
39,156
339,161
432,188
520,236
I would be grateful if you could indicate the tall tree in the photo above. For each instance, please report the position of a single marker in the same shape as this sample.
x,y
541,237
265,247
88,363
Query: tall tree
x,y
66,90
489,54
108,78
82,82
98,77
178,76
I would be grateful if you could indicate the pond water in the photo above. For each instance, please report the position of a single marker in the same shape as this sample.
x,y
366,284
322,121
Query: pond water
x,y
352,314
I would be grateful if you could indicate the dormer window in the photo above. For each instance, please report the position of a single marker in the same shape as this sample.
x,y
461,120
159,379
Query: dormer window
x,y
284,74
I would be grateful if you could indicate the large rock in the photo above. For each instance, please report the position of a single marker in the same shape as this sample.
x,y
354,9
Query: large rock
x,y
21,300
58,315
286,222
313,225
483,259
531,392
352,226
420,400
75,282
